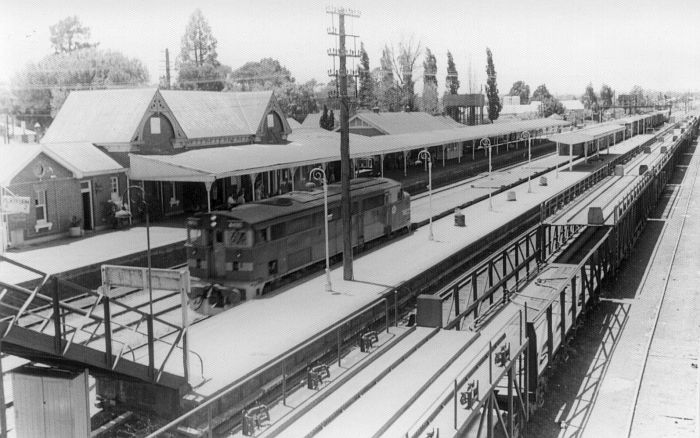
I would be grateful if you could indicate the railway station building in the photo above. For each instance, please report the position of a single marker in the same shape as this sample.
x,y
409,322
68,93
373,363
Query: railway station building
x,y
168,123
193,150
65,186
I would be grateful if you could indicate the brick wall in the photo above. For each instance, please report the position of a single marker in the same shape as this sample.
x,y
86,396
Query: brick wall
x,y
62,198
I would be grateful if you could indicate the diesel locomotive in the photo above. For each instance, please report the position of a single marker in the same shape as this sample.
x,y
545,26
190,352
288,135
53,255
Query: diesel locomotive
x,y
241,253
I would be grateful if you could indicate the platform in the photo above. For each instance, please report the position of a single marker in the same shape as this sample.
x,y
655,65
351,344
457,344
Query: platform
x,y
257,324
67,255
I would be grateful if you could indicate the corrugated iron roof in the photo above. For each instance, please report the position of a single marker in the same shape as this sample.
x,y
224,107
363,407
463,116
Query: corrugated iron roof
x,y
402,123
203,114
83,159
308,146
584,135
100,116
15,157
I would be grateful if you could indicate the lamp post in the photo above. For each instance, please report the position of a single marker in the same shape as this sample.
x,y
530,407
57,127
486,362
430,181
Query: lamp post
x,y
526,136
486,143
425,154
123,213
319,174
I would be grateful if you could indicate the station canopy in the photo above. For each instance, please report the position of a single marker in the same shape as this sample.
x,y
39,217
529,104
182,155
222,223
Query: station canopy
x,y
585,135
311,146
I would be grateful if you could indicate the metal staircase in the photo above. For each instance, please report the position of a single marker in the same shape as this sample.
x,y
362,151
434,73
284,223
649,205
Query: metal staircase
x,y
61,322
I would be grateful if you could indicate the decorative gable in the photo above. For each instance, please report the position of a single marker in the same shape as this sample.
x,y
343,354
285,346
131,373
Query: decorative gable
x,y
158,106
273,107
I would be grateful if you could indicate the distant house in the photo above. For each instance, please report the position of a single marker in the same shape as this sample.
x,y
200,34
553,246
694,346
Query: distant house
x,y
574,110
61,183
520,112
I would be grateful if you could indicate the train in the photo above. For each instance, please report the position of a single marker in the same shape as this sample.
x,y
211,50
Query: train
x,y
238,254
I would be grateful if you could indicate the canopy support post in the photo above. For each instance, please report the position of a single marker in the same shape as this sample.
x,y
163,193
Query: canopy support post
x,y
207,185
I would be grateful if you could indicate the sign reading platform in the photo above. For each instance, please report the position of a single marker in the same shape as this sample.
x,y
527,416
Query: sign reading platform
x,y
15,204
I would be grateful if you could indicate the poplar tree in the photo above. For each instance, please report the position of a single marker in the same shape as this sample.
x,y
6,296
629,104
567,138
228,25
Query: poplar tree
x,y
430,97
451,83
366,92
492,88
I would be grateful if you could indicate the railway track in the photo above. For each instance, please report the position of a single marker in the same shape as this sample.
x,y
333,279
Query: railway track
x,y
663,314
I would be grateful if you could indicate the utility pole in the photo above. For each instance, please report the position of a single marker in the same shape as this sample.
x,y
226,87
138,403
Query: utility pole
x,y
167,68
342,80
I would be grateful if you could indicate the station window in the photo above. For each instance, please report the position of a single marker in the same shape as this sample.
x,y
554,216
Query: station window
x,y
155,125
219,236
114,184
40,205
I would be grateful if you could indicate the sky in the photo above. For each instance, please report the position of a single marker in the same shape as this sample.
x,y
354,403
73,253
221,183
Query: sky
x,y
565,45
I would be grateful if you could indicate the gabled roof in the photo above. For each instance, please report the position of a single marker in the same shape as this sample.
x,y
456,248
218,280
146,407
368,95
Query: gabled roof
x,y
15,157
82,159
114,116
203,114
99,116
402,123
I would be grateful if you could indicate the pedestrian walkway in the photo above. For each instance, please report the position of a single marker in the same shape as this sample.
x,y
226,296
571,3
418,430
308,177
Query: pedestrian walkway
x,y
73,254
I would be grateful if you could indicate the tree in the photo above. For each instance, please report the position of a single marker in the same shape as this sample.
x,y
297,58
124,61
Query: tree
x,y
403,66
589,98
606,96
389,92
520,88
452,79
265,74
331,121
430,96
69,35
638,93
198,45
203,77
552,105
366,92
541,93
44,86
492,88
198,66
297,100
